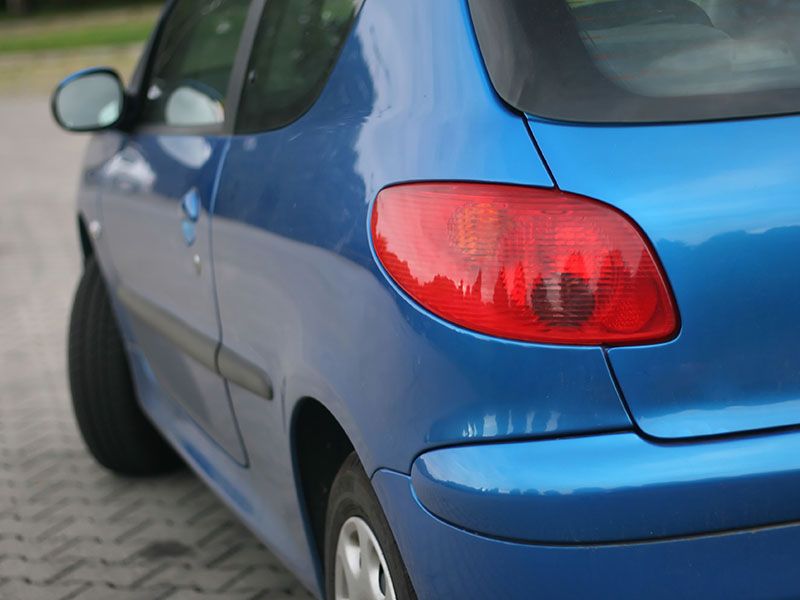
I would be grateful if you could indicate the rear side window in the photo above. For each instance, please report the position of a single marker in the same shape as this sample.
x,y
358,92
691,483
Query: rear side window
x,y
191,67
643,60
295,49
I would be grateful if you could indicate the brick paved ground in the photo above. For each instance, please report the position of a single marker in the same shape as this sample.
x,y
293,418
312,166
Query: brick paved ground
x,y
68,529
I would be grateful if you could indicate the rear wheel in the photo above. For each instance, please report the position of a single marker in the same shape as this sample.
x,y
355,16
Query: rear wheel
x,y
362,561
111,422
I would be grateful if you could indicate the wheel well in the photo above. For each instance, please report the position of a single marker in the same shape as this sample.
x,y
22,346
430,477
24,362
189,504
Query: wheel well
x,y
321,447
86,240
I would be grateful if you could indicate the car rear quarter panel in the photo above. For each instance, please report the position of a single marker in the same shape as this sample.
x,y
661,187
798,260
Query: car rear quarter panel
x,y
301,293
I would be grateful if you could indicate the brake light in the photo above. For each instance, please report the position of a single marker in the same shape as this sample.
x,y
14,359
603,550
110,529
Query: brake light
x,y
521,263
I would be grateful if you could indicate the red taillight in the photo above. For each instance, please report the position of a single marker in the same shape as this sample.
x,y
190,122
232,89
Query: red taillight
x,y
522,263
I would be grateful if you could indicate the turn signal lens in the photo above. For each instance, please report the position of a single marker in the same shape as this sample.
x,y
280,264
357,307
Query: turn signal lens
x,y
528,264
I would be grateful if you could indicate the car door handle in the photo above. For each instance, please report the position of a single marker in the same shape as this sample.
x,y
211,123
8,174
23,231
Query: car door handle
x,y
191,206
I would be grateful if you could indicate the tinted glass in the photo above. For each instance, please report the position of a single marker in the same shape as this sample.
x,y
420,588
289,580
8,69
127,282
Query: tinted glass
x,y
193,61
643,60
687,48
295,50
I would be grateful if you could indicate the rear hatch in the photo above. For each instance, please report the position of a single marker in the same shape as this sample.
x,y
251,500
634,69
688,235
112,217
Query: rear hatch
x,y
671,111
721,204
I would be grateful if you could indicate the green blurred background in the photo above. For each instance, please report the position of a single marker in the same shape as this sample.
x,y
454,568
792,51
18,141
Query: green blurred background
x,y
41,41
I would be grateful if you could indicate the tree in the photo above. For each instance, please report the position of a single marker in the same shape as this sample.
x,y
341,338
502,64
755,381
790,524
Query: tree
x,y
19,7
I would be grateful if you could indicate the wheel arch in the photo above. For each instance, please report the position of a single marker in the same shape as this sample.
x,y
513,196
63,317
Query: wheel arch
x,y
320,446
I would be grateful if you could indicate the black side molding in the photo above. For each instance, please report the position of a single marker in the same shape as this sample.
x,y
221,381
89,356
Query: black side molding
x,y
202,348
243,373
191,342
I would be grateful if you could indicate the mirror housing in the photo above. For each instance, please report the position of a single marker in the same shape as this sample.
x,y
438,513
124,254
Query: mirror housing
x,y
89,100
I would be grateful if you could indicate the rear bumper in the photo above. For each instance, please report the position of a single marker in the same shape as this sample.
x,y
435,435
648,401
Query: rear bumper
x,y
632,488
612,488
447,562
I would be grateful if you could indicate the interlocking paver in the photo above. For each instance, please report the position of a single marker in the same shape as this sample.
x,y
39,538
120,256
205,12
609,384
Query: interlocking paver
x,y
68,529
25,590
34,550
38,571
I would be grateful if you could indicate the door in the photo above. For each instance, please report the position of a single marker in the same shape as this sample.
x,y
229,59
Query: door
x,y
258,268
158,192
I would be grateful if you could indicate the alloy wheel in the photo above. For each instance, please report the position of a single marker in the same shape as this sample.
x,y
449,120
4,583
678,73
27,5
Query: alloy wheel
x,y
361,569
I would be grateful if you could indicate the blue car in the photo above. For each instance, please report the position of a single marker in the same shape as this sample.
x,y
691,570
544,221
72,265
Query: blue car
x,y
457,299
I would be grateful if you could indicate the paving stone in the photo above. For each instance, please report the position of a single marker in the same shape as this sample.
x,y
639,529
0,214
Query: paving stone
x,y
37,571
22,590
70,530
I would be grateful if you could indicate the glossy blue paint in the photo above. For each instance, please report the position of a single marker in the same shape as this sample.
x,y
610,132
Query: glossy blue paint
x,y
98,150
189,232
142,184
289,283
243,492
301,295
720,201
190,205
612,488
448,562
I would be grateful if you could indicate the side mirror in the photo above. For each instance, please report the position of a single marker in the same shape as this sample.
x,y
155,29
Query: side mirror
x,y
90,100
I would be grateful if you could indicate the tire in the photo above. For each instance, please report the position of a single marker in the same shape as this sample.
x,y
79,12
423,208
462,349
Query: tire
x,y
352,499
116,431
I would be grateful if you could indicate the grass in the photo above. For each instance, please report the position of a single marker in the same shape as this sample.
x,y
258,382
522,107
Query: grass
x,y
71,31
114,35
37,52
36,74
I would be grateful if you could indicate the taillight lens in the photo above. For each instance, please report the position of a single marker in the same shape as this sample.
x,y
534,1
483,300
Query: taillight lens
x,y
523,263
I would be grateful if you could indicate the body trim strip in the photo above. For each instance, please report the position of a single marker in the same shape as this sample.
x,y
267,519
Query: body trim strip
x,y
243,373
200,347
195,344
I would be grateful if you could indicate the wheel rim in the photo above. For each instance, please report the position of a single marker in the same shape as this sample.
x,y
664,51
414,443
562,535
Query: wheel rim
x,y
361,572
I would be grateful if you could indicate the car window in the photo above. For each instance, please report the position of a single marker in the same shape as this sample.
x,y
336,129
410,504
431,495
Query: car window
x,y
192,64
643,60
295,49
681,48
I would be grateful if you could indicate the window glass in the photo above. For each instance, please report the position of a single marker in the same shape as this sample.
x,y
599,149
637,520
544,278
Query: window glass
x,y
295,49
683,48
192,64
643,60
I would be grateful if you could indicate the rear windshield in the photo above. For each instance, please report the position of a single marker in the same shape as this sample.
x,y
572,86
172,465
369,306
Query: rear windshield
x,y
643,60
